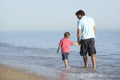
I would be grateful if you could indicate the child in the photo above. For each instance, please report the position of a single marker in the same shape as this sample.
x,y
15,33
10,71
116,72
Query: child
x,y
64,45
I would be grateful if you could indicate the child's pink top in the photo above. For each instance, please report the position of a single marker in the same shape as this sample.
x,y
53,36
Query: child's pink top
x,y
64,44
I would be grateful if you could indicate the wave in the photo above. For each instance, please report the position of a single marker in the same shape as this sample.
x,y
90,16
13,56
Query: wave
x,y
2,44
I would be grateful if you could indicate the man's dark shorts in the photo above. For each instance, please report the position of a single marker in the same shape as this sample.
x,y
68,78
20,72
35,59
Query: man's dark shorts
x,y
65,56
87,46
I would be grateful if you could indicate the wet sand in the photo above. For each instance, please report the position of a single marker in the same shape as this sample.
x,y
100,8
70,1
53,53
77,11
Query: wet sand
x,y
8,73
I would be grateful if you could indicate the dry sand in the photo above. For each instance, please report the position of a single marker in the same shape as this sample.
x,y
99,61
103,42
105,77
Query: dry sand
x,y
8,73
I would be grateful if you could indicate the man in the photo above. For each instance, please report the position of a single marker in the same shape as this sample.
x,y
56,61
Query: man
x,y
86,30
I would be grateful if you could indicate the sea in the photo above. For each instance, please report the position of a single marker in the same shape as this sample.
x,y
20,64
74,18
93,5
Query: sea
x,y
35,52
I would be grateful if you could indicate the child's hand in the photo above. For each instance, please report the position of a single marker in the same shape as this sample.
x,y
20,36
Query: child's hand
x,y
57,51
76,44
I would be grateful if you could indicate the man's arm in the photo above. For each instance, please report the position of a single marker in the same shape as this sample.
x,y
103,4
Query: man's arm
x,y
78,35
94,29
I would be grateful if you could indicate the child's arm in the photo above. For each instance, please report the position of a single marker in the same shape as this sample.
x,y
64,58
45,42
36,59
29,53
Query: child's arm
x,y
58,49
75,44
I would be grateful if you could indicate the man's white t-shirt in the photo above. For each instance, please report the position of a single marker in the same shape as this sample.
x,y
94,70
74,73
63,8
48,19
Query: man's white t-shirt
x,y
86,25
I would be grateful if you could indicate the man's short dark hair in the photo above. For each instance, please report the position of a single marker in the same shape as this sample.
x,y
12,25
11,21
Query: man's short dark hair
x,y
80,12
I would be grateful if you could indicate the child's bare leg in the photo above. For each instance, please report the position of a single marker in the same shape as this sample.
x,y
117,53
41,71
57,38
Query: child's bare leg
x,y
66,62
93,58
85,61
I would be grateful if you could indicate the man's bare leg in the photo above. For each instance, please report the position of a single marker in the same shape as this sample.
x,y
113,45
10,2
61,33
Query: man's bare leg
x,y
93,58
85,61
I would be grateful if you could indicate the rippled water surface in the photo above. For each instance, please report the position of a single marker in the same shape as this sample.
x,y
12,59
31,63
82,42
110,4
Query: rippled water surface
x,y
36,52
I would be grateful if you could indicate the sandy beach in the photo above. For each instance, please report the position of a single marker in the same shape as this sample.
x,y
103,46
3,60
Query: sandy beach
x,y
8,73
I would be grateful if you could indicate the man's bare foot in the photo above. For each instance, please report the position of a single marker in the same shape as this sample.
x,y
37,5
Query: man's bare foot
x,y
67,66
94,68
86,67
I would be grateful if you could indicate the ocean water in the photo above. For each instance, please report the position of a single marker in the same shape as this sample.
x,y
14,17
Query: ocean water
x,y
36,52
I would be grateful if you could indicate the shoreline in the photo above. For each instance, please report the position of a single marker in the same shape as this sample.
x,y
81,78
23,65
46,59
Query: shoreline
x,y
9,73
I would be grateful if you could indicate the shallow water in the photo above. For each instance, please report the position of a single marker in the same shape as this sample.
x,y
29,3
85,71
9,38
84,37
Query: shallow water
x,y
36,52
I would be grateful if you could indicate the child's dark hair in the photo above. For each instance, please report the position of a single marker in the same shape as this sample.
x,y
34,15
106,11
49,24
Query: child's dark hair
x,y
66,34
80,12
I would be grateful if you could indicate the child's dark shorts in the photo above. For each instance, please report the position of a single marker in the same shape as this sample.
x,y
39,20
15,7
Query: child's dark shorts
x,y
87,46
65,56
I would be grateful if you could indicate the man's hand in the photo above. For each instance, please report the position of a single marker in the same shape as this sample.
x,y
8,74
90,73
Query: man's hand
x,y
78,35
79,42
